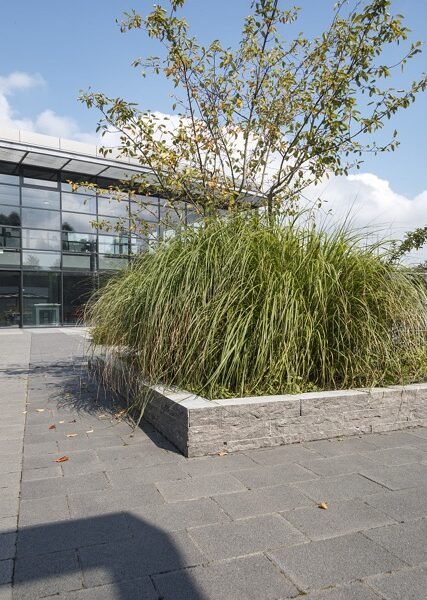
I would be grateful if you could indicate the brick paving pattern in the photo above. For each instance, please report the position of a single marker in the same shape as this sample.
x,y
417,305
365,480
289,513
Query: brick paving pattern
x,y
126,517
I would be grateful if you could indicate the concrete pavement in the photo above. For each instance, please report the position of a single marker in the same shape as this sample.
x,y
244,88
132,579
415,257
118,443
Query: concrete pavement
x,y
123,516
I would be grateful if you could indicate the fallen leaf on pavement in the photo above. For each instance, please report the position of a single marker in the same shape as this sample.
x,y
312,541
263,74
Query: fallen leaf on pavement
x,y
89,431
52,427
24,412
72,434
62,459
222,453
323,505
40,409
61,422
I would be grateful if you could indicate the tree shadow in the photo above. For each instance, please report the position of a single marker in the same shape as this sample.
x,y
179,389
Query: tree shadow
x,y
129,556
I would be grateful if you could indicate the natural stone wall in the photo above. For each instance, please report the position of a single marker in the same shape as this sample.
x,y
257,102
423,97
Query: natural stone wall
x,y
199,427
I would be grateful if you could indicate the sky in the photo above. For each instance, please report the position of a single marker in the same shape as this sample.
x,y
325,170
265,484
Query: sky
x,y
52,50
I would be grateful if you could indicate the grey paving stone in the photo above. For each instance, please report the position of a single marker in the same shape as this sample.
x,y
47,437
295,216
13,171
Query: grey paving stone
x,y
396,456
40,576
342,487
41,449
248,578
217,464
180,515
11,465
152,552
7,545
397,478
419,432
71,534
408,541
270,476
9,503
338,465
340,446
6,592
62,486
8,524
138,589
403,505
100,502
199,487
6,570
262,501
43,510
246,536
43,473
130,477
407,584
281,455
10,447
9,480
82,463
333,561
353,591
340,518
394,439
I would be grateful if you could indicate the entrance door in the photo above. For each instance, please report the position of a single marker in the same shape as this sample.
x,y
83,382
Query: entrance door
x,y
10,314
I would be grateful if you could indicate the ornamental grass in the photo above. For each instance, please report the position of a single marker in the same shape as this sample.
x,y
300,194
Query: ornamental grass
x,y
243,307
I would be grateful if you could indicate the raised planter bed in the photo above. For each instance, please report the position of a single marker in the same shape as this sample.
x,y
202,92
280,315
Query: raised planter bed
x,y
198,427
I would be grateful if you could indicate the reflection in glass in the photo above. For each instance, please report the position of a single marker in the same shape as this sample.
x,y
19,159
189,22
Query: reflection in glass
x,y
113,224
10,237
40,178
113,206
11,179
78,242
41,299
40,239
114,244
109,263
9,195
9,215
10,258
38,198
76,292
79,262
146,208
77,222
9,298
41,260
79,203
43,219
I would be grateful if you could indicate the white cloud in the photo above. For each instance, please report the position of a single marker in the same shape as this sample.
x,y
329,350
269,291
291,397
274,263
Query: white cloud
x,y
47,122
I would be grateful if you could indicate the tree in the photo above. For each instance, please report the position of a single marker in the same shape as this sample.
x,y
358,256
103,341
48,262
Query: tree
x,y
271,116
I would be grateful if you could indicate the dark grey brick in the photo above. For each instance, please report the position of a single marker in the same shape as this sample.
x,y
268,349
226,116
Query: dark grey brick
x,y
36,577
340,518
408,542
246,536
151,552
130,477
396,456
342,487
138,589
248,578
403,505
339,465
62,486
100,502
43,510
199,487
7,545
334,561
8,524
8,502
281,455
180,515
262,501
394,439
270,476
353,591
6,570
398,478
43,473
407,584
217,464
340,446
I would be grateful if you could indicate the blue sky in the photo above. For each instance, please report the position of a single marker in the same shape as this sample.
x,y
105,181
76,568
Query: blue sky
x,y
64,47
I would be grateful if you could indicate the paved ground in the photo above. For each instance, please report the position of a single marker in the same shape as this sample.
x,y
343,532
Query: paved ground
x,y
128,518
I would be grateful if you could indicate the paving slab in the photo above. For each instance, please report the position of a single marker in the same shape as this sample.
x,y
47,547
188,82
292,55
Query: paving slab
x,y
406,541
199,487
402,505
353,591
342,487
407,584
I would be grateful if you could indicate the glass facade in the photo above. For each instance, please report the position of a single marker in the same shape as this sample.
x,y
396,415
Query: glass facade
x,y
57,246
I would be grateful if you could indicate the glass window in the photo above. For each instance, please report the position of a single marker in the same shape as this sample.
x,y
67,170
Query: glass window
x,y
9,195
108,263
77,262
113,206
41,299
113,244
10,237
41,260
113,224
40,239
66,187
43,219
10,258
78,202
145,208
76,222
38,198
9,215
78,242
9,298
77,289
11,179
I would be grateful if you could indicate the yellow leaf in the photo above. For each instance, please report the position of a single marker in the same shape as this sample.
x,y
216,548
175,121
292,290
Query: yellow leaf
x,y
71,434
323,505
